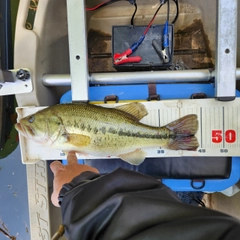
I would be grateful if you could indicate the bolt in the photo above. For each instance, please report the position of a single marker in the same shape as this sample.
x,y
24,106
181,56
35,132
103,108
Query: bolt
x,y
22,74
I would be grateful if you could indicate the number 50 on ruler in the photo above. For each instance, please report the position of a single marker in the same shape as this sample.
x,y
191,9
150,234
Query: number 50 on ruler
x,y
229,136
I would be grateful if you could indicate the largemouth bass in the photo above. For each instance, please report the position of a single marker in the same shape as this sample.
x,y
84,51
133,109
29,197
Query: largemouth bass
x,y
104,132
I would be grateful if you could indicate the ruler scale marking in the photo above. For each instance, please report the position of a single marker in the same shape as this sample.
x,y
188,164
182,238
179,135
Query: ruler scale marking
x,y
159,123
211,125
201,126
231,117
223,136
237,127
203,129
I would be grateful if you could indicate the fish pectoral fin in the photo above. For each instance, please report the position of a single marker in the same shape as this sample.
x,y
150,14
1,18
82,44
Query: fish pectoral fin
x,y
78,140
138,110
136,157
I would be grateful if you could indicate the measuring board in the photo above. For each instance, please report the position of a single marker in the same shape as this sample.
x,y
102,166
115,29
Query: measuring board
x,y
218,135
218,132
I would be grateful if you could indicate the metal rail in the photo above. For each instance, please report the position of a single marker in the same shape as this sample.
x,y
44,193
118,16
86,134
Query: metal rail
x,y
77,37
122,78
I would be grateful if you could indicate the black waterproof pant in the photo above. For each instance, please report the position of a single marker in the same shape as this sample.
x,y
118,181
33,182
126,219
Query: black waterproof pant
x,y
131,206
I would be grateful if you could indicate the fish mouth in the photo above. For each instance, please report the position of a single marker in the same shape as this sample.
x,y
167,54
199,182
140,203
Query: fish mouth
x,y
25,130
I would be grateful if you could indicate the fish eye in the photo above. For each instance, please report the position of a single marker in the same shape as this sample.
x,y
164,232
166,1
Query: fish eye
x,y
31,119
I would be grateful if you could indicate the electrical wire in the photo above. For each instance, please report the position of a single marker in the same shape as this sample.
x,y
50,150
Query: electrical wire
x,y
151,22
168,9
199,201
177,9
96,7
134,13
59,233
141,39
103,4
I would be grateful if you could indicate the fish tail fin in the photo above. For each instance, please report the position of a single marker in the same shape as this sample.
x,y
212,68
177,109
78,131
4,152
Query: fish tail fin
x,y
183,131
189,143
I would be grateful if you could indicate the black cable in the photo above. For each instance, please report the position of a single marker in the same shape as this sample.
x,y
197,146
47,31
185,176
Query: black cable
x,y
168,9
177,9
134,13
199,201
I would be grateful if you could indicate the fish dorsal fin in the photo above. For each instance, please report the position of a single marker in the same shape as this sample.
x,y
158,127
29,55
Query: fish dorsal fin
x,y
138,110
136,157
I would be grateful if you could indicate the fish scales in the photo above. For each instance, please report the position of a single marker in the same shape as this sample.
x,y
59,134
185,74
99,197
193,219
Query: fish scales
x,y
109,122
103,132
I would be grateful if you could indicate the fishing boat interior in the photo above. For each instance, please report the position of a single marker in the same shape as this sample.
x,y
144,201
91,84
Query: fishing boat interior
x,y
177,57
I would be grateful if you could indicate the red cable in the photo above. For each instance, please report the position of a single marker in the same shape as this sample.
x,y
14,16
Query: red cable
x,y
96,7
151,22
147,28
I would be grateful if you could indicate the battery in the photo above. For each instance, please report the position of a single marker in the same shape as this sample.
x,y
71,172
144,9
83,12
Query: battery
x,y
124,36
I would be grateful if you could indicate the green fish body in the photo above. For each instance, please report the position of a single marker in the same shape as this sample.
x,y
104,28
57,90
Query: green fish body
x,y
104,132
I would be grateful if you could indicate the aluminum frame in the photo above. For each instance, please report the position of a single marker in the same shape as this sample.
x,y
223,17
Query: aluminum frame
x,y
77,36
226,50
